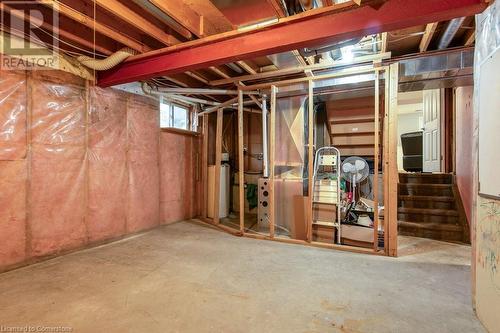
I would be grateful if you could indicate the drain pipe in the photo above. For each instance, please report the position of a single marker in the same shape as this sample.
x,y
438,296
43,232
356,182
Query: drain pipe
x,y
265,159
450,32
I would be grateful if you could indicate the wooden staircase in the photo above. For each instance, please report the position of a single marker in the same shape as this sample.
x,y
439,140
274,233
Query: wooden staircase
x,y
429,206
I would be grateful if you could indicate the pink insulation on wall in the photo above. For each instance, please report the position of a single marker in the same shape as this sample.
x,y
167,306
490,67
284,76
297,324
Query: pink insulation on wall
x,y
107,163
80,165
178,178
144,174
13,170
57,196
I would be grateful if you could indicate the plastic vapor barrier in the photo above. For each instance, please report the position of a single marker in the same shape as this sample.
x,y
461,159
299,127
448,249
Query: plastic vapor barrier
x,y
80,164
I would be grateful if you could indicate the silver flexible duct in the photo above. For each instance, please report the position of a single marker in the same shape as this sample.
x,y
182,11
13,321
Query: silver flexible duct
x,y
107,63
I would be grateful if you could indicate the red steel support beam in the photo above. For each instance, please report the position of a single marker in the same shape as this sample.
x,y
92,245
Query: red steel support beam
x,y
312,28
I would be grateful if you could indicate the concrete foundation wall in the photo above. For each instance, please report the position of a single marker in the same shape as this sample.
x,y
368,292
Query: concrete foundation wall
x,y
81,165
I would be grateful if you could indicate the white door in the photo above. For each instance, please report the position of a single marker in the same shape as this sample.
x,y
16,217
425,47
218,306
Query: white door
x,y
432,129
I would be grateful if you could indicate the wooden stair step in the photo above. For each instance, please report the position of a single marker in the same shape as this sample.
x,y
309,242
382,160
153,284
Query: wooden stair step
x,y
431,226
429,178
442,190
426,185
426,198
439,212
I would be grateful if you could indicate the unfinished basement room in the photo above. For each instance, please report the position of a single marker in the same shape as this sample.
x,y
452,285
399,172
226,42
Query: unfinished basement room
x,y
233,166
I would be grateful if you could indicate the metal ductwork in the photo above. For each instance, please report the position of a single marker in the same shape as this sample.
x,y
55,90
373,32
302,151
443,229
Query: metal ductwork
x,y
450,32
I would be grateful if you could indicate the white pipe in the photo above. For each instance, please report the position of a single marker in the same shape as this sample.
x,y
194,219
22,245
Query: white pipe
x,y
107,63
201,91
265,160
189,99
148,91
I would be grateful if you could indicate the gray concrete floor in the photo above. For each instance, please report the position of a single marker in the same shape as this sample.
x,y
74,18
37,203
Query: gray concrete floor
x,y
190,278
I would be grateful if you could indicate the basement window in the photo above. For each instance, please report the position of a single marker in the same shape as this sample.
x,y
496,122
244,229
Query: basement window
x,y
174,115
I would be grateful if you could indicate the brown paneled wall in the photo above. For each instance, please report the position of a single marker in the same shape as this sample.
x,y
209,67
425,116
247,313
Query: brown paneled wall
x,y
81,165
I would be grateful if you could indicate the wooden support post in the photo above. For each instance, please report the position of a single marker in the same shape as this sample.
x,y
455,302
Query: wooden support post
x,y
204,166
241,162
310,159
272,137
385,159
218,158
392,204
376,164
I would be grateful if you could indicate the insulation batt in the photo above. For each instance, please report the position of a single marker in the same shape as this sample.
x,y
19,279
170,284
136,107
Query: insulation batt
x,y
81,165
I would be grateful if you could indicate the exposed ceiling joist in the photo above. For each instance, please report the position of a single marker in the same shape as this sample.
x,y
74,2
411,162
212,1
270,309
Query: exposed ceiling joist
x,y
246,67
219,72
213,18
427,37
62,33
197,77
126,14
470,37
162,16
99,27
184,15
315,27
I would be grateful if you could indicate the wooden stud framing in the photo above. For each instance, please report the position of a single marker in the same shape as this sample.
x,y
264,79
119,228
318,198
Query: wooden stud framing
x,y
383,47
272,137
376,164
385,159
218,158
391,205
310,159
390,174
204,166
241,162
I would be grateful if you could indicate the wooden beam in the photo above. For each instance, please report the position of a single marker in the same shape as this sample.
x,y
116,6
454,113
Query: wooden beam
x,y
391,205
383,47
181,13
62,33
118,9
427,37
219,72
218,158
272,154
246,67
252,97
204,166
470,37
310,160
197,77
99,27
241,162
317,26
214,20
376,134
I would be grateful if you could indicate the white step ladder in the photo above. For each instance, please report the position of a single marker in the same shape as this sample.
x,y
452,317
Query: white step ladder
x,y
326,187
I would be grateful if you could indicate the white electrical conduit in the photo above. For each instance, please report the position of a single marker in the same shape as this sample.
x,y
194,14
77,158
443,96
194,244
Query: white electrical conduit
x,y
201,91
107,63
148,91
